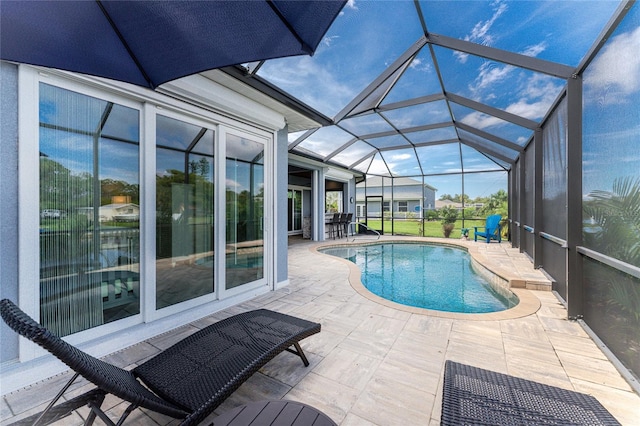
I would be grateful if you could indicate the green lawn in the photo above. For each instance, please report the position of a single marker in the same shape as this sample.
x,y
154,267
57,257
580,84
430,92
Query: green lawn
x,y
431,229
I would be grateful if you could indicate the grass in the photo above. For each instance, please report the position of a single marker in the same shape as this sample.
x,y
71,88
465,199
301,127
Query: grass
x,y
431,228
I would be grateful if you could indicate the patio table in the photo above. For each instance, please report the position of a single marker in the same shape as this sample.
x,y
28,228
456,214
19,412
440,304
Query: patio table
x,y
274,413
473,396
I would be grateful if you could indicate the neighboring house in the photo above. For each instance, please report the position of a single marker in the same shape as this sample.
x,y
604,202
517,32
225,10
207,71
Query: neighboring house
x,y
126,212
448,203
458,206
400,196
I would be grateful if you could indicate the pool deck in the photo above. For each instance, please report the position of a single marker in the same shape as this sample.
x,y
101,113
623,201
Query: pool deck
x,y
373,364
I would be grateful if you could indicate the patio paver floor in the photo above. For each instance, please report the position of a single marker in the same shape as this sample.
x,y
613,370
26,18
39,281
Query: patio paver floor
x,y
376,365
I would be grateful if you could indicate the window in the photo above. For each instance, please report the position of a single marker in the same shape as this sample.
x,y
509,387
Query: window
x,y
89,210
402,206
333,201
385,206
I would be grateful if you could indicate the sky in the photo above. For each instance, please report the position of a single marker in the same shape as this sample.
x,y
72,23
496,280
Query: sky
x,y
368,36
611,116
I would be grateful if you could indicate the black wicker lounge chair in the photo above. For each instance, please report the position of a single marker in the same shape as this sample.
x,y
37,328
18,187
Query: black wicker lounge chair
x,y
473,396
188,380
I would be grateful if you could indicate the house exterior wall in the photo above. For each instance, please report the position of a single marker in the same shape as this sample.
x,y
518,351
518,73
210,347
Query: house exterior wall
x,y
35,364
413,195
9,195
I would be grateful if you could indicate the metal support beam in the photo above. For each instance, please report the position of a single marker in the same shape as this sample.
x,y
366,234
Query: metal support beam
x,y
511,182
340,149
489,136
523,61
537,197
574,198
399,64
487,151
412,102
495,112
522,190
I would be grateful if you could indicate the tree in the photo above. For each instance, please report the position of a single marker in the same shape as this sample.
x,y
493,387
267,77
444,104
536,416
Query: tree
x,y
616,218
614,230
460,198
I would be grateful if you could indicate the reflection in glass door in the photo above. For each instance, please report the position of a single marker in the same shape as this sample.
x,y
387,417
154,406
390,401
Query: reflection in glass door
x,y
244,211
89,233
184,206
294,208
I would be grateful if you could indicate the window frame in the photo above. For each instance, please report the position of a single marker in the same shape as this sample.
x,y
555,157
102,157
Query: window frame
x,y
29,205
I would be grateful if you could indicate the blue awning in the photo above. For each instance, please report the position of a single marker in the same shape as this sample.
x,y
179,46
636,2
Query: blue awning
x,y
148,43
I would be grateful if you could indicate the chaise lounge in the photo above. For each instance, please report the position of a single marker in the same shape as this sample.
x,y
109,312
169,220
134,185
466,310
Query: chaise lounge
x,y
187,381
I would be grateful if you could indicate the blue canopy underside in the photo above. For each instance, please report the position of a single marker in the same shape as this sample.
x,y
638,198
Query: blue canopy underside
x,y
148,43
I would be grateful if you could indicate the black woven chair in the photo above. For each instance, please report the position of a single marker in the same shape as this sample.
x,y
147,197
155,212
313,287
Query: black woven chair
x,y
474,396
187,381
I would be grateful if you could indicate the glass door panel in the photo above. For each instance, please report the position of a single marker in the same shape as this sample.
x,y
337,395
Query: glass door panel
x,y
89,211
294,199
244,211
184,205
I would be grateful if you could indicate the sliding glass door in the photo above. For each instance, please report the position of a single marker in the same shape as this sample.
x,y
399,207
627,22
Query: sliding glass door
x,y
185,213
245,212
294,209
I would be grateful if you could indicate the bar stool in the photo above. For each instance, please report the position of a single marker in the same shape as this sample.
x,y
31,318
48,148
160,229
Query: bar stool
x,y
334,225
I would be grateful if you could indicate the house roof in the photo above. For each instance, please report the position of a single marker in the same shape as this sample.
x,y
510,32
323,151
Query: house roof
x,y
377,181
444,203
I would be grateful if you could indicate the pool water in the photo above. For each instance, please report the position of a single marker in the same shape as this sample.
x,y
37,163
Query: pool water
x,y
424,276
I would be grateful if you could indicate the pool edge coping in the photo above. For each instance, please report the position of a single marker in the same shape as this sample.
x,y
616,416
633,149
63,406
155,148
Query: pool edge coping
x,y
528,303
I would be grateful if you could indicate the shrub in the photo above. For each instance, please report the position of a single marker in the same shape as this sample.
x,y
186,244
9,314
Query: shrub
x,y
449,216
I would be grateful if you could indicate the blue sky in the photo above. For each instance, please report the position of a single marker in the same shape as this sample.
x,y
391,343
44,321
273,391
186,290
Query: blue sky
x,y
611,116
368,36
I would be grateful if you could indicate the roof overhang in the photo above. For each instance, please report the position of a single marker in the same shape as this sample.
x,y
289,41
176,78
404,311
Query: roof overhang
x,y
298,115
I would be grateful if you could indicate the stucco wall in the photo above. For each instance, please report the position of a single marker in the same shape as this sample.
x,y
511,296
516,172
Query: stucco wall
x,y
8,195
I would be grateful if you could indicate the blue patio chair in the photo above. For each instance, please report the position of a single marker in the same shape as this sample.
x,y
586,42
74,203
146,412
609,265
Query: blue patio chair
x,y
492,229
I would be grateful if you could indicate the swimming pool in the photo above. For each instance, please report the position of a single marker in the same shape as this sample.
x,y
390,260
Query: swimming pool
x,y
425,276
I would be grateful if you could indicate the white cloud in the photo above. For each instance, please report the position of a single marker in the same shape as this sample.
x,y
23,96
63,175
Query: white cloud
x,y
232,184
480,120
378,167
480,32
615,73
461,57
535,97
531,110
536,49
400,157
418,65
351,4
328,41
310,82
489,74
